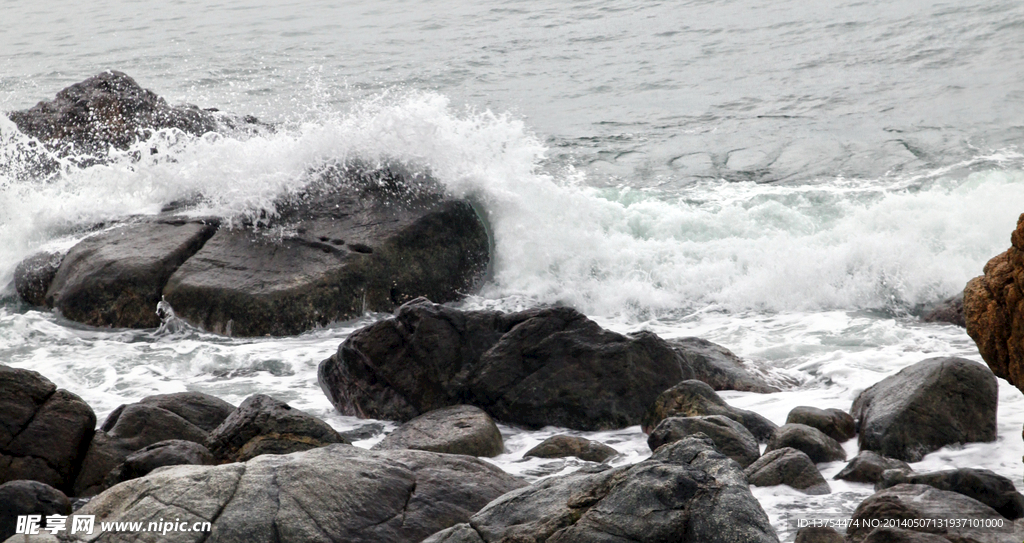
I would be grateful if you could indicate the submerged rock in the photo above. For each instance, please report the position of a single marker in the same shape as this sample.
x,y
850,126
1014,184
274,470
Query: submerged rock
x,y
949,311
931,404
813,442
694,399
686,492
834,423
787,466
983,485
582,448
730,437
868,466
459,429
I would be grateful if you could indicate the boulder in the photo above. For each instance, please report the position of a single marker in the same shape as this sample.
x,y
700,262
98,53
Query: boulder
x,y
949,311
730,437
335,493
818,446
173,452
686,492
936,402
818,534
33,276
885,534
459,429
535,368
695,399
717,366
44,431
983,485
29,498
203,410
834,423
263,425
789,467
868,466
561,446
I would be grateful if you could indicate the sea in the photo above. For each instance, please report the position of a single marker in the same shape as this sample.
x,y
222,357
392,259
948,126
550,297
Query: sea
x,y
793,180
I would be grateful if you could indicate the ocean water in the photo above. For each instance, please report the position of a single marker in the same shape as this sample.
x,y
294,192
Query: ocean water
x,y
792,181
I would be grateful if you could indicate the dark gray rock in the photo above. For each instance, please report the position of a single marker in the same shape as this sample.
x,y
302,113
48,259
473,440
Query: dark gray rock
x,y
818,446
459,429
949,311
44,431
263,425
822,534
337,493
868,466
717,366
787,466
936,402
898,535
173,452
686,492
33,276
561,446
696,399
983,485
730,437
115,278
834,423
534,368
909,502
29,498
205,411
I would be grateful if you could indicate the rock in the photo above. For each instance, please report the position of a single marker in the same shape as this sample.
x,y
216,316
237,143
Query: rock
x,y
686,492
106,110
717,366
459,429
822,534
787,466
173,452
695,399
33,276
333,493
897,535
29,498
909,502
834,423
561,446
983,485
263,425
534,368
730,437
116,278
363,241
868,466
44,431
936,402
203,410
818,446
949,311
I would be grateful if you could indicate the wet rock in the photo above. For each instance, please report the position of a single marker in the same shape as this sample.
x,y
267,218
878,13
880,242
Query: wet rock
x,y
562,446
695,399
787,466
333,493
717,366
686,492
44,431
936,402
730,437
834,423
173,452
949,311
115,278
534,368
263,425
818,446
203,410
812,534
897,535
33,276
29,498
459,429
983,485
910,502
868,466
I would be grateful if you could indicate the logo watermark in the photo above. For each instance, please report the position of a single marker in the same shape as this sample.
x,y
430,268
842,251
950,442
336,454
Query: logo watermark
x,y
86,524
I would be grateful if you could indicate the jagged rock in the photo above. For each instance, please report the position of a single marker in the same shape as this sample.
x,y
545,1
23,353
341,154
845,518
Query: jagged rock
x,y
561,446
263,425
983,485
787,466
534,368
29,498
173,452
868,466
834,423
686,492
813,442
459,429
936,402
695,399
717,366
33,276
44,431
335,493
730,437
822,534
949,311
